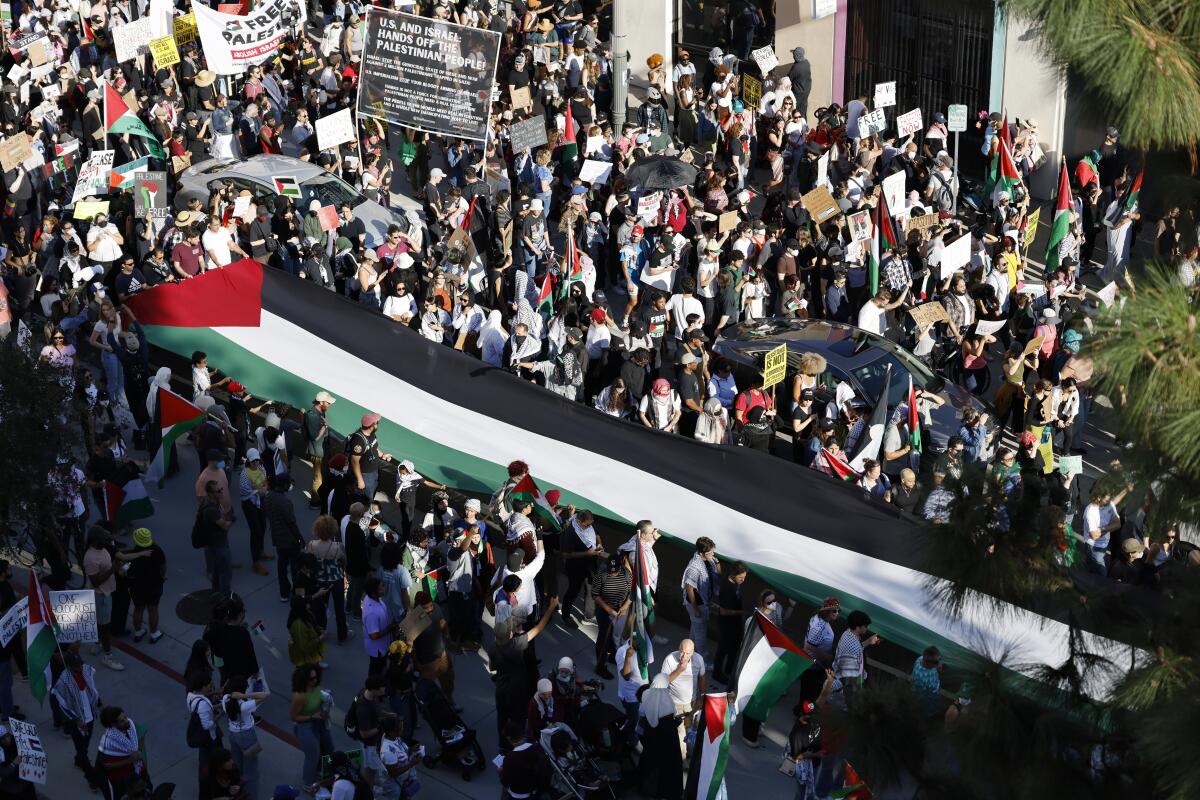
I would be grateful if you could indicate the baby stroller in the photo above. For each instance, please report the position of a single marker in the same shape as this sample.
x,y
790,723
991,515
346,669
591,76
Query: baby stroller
x,y
600,728
576,773
459,747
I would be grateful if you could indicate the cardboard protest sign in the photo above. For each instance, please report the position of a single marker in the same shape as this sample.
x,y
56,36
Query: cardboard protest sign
x,y
93,175
728,221
461,240
956,118
335,129
29,749
519,95
927,314
648,205
820,205
909,122
14,150
329,218
893,192
595,172
233,43
527,134
185,28
1033,346
751,90
955,256
873,122
885,94
775,366
414,622
150,195
88,209
164,52
766,59
427,74
21,43
860,226
132,39
1031,225
37,53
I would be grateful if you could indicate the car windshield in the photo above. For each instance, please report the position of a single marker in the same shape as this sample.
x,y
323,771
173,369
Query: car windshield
x,y
870,377
330,190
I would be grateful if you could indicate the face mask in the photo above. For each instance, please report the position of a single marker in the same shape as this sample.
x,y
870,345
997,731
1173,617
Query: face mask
x,y
220,465
564,678
520,340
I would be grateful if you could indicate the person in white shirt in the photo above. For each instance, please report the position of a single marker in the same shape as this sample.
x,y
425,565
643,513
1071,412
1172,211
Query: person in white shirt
x,y
685,670
872,317
400,305
240,704
104,241
629,679
219,245
683,304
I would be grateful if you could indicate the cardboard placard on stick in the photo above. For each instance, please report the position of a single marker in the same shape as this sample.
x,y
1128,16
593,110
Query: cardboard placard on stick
x,y
728,221
164,52
751,90
14,150
520,97
775,366
927,314
820,205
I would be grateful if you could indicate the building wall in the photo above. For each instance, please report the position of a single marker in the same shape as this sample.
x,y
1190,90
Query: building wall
x,y
1033,87
649,29
795,27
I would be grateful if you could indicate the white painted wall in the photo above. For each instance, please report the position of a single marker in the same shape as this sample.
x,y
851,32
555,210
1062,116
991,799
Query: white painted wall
x,y
1033,87
795,27
649,26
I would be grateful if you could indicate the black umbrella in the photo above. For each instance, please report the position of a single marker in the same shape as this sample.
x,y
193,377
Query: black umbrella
x,y
661,172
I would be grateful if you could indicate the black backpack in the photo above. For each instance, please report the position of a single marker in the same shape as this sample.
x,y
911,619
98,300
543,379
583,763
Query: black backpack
x,y
350,726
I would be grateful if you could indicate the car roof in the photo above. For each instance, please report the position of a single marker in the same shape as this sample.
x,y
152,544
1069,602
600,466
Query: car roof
x,y
842,344
265,167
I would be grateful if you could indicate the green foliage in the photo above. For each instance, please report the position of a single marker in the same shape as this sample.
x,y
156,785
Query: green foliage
x,y
1141,58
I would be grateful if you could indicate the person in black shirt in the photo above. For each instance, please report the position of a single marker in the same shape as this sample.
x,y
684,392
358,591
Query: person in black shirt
x,y
729,623
129,280
690,394
654,316
230,640
611,594
146,576
262,236
429,649
352,227
633,373
906,493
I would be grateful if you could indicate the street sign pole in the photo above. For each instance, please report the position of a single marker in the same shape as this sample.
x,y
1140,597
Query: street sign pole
x,y
957,123
954,204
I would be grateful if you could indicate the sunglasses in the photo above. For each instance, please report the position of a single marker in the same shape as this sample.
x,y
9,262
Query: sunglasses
x,y
59,339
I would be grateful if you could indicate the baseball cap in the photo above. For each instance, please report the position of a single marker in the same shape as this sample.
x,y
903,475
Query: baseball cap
x,y
324,397
253,455
370,419
437,172
695,334
595,216
638,230
687,358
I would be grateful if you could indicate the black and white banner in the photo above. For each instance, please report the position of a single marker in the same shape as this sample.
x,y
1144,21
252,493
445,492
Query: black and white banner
x,y
426,74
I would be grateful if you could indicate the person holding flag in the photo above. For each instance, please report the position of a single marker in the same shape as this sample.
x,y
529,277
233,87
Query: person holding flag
x,y
1119,217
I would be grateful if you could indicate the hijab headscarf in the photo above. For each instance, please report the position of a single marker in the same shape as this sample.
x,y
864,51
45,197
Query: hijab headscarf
x,y
656,702
713,424
492,337
162,380
545,706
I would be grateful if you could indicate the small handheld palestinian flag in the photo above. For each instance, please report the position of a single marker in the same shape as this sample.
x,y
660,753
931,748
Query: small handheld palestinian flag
x,y
126,502
836,466
706,776
178,417
287,186
914,417
1061,225
40,639
643,612
545,301
770,662
527,489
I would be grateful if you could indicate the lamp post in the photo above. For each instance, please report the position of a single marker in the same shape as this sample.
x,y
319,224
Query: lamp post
x,y
620,63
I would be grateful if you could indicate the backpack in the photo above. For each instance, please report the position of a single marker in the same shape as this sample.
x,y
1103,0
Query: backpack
x,y
200,533
350,723
942,195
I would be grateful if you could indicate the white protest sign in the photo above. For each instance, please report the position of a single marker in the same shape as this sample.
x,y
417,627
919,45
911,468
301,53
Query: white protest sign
x,y
93,175
909,122
1108,294
955,255
885,94
335,129
872,122
232,43
75,615
648,205
766,60
823,172
984,327
14,621
133,38
594,172
956,118
824,8
29,748
893,192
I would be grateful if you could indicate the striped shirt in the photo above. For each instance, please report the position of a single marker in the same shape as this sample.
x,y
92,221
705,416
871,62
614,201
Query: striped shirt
x,y
848,660
613,588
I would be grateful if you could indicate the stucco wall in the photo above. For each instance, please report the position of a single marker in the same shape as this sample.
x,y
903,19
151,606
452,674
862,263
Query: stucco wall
x,y
649,26
795,27
1035,88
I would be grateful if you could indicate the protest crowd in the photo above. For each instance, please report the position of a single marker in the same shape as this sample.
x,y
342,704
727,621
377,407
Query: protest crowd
x,y
600,262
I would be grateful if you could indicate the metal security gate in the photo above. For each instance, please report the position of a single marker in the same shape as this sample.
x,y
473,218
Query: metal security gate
x,y
938,51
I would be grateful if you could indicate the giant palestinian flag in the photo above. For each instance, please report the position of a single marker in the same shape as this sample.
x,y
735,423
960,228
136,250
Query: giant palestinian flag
x,y
706,775
466,421
769,663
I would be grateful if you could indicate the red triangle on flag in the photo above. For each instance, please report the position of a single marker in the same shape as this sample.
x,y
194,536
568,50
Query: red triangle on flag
x,y
775,637
114,107
114,496
174,409
714,716
527,486
569,133
40,610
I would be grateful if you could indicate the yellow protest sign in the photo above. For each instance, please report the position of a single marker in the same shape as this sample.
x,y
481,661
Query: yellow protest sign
x,y
1031,226
164,51
775,366
185,28
88,209
751,91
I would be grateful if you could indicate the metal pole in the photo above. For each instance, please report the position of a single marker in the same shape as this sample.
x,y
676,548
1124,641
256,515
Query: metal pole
x,y
954,202
620,61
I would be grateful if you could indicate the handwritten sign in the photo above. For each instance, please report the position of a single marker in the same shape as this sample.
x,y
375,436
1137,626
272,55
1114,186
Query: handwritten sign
x,y
37,53
88,209
1108,295
956,118
93,175
133,38
14,621
14,150
75,613
986,327
519,95
909,122
751,90
648,205
766,59
185,28
927,314
1070,465
164,52
1033,346
728,221
873,122
885,94
820,205
29,748
922,221
527,134
775,366
595,172
335,129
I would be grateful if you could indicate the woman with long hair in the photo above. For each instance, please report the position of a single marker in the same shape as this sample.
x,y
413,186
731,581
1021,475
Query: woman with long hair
x,y
306,642
614,399
310,714
326,545
114,376
240,704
